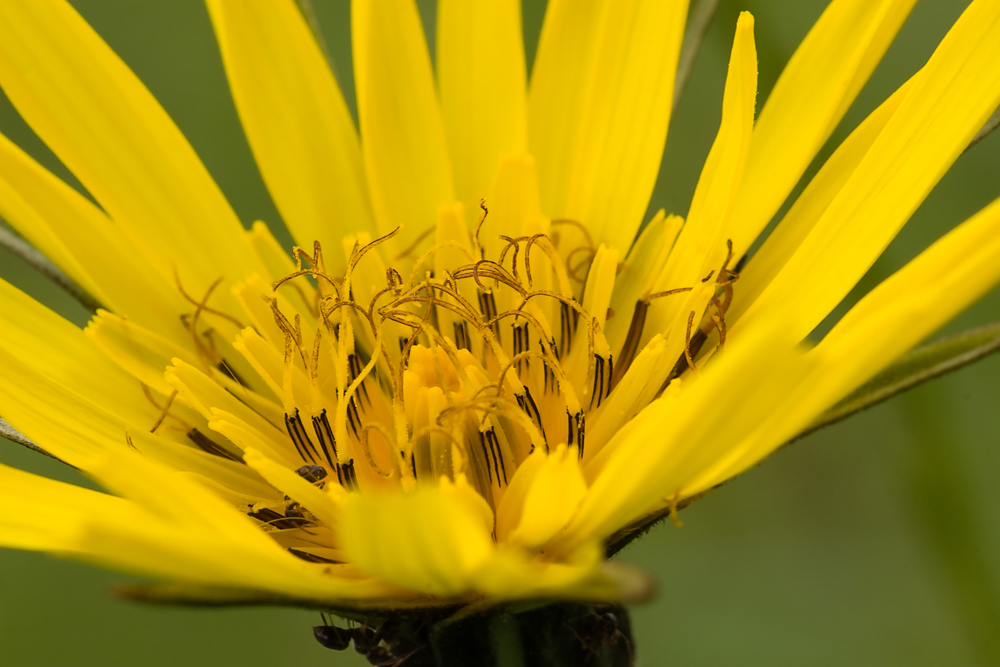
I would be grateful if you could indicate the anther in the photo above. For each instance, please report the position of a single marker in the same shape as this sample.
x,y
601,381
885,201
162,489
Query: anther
x,y
687,343
299,437
324,433
311,558
206,445
461,330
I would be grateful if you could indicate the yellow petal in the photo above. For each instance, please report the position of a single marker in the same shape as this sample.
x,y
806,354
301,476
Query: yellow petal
x,y
600,101
785,240
80,239
424,541
511,506
245,437
139,351
481,76
744,387
894,317
811,96
511,575
948,102
83,433
60,351
296,122
640,384
190,535
555,493
513,197
205,395
100,120
700,247
403,142
44,515
638,273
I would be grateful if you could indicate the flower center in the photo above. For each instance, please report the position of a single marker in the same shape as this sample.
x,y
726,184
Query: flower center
x,y
464,367
455,362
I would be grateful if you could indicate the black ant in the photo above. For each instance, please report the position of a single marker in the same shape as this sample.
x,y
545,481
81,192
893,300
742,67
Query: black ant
x,y
367,641
600,630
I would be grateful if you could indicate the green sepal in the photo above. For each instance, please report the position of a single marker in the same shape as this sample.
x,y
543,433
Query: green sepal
x,y
916,367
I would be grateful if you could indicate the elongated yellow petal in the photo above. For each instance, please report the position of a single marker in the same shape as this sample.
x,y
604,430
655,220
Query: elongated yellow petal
x,y
700,247
947,104
894,317
942,281
403,141
141,352
637,388
811,96
100,120
510,575
80,239
555,493
482,80
751,381
638,273
83,433
599,107
785,240
191,535
42,514
511,507
295,119
60,351
205,395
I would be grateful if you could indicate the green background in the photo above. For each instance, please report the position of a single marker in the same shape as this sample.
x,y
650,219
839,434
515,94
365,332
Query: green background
x,y
874,542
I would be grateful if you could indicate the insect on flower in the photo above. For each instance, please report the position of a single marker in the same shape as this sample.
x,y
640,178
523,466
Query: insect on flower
x,y
481,369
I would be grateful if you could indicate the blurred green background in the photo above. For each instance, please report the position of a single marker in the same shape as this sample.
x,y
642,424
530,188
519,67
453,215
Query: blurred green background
x,y
874,542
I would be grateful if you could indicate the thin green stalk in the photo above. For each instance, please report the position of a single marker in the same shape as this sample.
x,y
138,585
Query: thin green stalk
x,y
698,23
36,260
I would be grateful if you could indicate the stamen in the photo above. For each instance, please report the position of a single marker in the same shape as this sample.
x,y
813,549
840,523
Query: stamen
x,y
366,447
573,271
296,433
312,558
201,306
350,477
324,433
576,430
488,307
462,341
164,411
597,391
206,445
687,343
271,518
528,404
479,225
357,254
416,242
578,225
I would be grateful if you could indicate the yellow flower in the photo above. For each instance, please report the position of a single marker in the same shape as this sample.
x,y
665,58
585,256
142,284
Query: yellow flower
x,y
470,381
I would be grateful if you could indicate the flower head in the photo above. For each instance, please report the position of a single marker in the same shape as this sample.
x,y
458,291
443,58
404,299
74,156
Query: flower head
x,y
472,378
